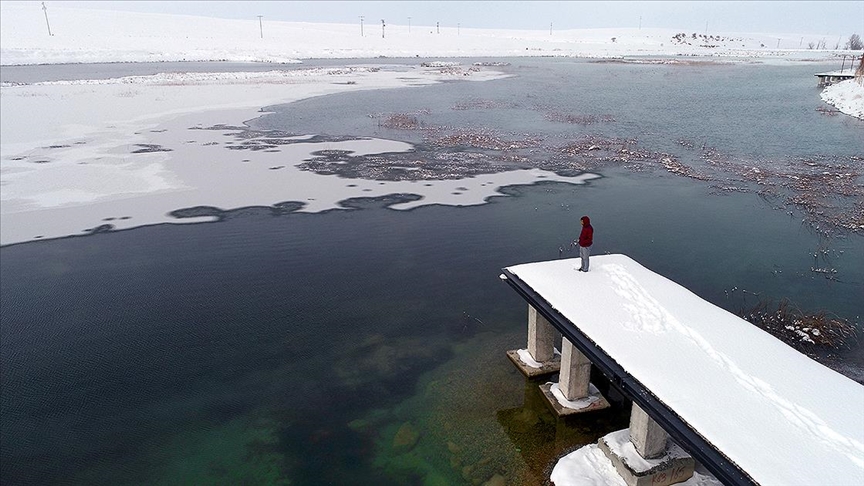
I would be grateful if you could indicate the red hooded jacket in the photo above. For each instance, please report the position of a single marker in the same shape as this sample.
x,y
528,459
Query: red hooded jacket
x,y
586,237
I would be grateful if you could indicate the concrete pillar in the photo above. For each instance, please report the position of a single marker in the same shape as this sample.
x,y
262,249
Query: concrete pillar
x,y
540,358
648,437
575,374
541,336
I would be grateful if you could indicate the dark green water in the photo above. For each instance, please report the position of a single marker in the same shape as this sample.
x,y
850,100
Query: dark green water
x,y
367,346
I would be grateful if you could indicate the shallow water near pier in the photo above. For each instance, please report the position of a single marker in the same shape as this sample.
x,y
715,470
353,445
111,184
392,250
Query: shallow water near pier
x,y
367,346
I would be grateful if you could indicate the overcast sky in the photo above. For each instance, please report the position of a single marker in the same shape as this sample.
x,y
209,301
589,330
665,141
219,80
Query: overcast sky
x,y
827,17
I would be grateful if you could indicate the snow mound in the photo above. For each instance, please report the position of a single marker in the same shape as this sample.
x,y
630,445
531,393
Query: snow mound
x,y
846,96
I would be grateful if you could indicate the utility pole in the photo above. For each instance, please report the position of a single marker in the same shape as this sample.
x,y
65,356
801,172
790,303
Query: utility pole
x,y
550,28
437,27
457,28
261,26
778,43
361,26
382,28
45,9
409,25
640,22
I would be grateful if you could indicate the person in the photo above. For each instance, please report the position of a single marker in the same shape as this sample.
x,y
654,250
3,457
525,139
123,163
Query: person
x,y
586,239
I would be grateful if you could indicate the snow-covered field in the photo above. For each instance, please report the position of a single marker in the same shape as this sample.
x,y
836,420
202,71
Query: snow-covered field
x,y
100,36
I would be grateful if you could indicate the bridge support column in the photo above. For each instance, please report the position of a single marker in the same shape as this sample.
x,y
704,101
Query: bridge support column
x,y
643,454
541,336
539,358
575,377
646,435
573,393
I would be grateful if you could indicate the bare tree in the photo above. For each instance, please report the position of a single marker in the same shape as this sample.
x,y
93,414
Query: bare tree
x,y
854,43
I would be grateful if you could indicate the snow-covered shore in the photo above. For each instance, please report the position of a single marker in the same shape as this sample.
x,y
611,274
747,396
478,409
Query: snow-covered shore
x,y
846,96
100,36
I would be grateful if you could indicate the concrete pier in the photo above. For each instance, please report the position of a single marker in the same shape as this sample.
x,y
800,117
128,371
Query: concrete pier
x,y
575,372
541,336
673,466
827,79
643,455
649,438
573,393
540,357
679,358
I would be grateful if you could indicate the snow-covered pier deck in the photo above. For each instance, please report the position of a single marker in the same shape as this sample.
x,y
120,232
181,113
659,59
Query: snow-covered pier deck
x,y
827,79
749,408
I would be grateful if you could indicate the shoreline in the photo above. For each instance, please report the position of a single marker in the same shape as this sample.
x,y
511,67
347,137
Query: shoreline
x,y
847,97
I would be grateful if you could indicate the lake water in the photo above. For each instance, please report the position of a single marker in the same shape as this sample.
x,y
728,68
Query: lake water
x,y
368,346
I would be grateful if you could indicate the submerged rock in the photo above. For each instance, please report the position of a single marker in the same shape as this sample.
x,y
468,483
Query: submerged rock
x,y
405,439
496,480
358,425
435,479
455,449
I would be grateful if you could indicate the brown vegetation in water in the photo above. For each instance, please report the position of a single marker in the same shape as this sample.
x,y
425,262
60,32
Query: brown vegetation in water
x,y
583,120
827,189
400,121
484,139
812,334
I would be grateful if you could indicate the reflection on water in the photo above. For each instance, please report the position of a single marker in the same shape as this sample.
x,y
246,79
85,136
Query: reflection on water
x,y
541,437
368,346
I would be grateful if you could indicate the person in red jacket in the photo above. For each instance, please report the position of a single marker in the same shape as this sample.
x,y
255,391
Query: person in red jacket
x,y
586,239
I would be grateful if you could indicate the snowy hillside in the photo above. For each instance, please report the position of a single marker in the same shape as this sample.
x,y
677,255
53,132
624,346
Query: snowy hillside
x,y
81,36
